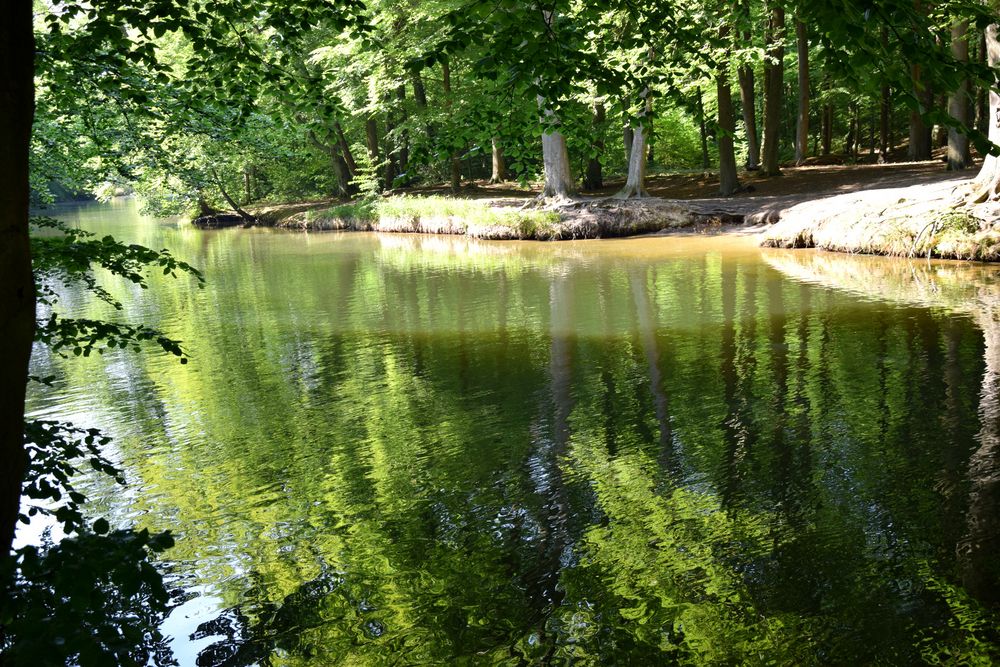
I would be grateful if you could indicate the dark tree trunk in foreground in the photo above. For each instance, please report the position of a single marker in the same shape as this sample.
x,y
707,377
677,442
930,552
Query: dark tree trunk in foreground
x,y
594,178
987,184
802,122
958,103
728,180
499,173
774,72
17,292
920,132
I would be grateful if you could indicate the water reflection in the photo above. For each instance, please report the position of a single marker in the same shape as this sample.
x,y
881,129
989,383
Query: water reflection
x,y
432,450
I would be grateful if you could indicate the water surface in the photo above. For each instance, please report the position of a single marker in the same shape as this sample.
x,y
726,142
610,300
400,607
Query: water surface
x,y
433,450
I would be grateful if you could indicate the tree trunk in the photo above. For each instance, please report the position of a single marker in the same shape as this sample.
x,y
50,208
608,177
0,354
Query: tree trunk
x,y
705,163
920,132
627,137
635,183
982,94
774,72
499,174
987,184
594,178
555,159
885,109
455,170
17,291
229,200
802,124
404,147
827,129
851,143
748,100
345,149
958,103
728,180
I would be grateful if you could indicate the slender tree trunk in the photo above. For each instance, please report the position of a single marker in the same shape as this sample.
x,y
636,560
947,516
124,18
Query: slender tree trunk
x,y
404,148
17,291
827,138
594,178
371,137
982,93
499,174
627,137
987,184
802,124
854,129
748,98
920,132
728,180
390,169
703,129
345,149
885,109
455,164
774,73
958,103
229,200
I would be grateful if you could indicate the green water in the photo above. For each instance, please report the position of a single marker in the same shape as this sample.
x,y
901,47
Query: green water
x,y
430,450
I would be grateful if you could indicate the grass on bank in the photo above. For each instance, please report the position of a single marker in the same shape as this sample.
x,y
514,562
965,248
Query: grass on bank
x,y
436,214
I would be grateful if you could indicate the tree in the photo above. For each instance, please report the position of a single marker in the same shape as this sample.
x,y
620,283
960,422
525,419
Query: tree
x,y
773,87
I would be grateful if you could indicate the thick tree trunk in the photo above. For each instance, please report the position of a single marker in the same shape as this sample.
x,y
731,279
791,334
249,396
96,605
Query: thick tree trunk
x,y
920,132
703,130
728,180
594,178
958,103
987,184
982,93
635,183
555,160
802,123
774,73
499,174
17,291
748,99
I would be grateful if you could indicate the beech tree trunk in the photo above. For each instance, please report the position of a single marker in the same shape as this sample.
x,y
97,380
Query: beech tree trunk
x,y
774,72
748,100
499,174
17,290
345,150
728,180
627,137
594,178
958,103
635,183
802,124
987,183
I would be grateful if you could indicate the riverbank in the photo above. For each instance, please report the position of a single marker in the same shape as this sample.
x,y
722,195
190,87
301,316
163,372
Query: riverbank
x,y
899,209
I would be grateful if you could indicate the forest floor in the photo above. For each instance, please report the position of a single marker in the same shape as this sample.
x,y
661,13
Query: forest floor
x,y
894,209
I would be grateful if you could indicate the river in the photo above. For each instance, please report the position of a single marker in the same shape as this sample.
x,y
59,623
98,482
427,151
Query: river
x,y
401,449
